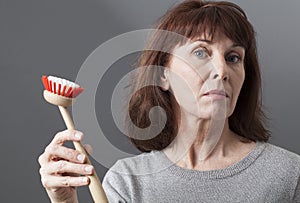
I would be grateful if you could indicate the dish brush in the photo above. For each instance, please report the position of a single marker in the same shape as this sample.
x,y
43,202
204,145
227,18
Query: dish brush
x,y
62,93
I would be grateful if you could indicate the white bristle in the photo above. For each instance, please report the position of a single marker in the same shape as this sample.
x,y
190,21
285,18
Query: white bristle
x,y
63,83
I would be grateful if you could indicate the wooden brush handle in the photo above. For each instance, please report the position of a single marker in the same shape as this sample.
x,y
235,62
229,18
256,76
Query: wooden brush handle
x,y
95,187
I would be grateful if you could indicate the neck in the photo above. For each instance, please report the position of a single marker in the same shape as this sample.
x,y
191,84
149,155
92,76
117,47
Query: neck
x,y
201,141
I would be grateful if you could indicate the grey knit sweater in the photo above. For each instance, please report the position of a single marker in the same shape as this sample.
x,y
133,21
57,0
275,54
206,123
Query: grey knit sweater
x,y
267,174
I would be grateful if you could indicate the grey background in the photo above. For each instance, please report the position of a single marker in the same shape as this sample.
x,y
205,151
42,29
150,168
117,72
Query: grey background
x,y
54,37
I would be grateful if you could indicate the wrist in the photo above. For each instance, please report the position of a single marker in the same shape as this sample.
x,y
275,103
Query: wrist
x,y
68,201
59,199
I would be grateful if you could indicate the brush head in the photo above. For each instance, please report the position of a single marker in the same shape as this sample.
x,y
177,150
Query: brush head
x,y
59,91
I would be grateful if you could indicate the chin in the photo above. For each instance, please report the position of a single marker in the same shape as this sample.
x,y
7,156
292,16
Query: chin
x,y
212,111
215,112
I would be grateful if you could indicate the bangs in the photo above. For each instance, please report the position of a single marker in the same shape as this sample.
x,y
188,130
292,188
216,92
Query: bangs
x,y
210,18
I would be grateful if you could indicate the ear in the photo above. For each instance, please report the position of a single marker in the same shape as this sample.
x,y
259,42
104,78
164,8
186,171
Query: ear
x,y
165,85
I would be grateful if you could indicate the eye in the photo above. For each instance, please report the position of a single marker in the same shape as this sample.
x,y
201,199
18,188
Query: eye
x,y
200,53
233,58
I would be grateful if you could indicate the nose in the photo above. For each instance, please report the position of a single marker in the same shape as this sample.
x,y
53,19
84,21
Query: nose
x,y
220,69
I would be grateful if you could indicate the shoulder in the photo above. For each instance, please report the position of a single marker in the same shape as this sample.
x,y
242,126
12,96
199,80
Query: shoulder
x,y
123,179
282,165
141,164
281,156
279,163
129,170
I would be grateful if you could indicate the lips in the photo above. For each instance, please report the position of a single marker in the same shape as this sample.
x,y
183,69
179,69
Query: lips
x,y
216,92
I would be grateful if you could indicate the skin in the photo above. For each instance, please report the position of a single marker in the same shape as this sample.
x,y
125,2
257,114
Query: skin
x,y
197,68
61,166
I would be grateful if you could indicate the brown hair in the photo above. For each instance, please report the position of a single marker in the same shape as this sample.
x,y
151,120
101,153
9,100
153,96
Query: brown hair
x,y
191,19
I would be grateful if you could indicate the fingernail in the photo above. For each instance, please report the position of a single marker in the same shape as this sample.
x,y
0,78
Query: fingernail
x,y
84,179
88,169
77,135
80,157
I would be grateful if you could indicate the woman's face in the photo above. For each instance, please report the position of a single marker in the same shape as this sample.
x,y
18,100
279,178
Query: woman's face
x,y
206,76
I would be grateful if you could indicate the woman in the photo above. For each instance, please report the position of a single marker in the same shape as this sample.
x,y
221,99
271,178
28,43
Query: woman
x,y
212,147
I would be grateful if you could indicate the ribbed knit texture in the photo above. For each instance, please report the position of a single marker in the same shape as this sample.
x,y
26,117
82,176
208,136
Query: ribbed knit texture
x,y
268,174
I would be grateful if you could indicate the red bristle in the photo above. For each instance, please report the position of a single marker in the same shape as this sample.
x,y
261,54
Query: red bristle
x,y
58,91
54,86
51,86
68,92
61,89
45,82
77,91
64,89
71,93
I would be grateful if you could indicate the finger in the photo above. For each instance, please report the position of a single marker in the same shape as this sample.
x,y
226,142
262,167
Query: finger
x,y
88,148
62,152
68,135
42,159
63,181
62,166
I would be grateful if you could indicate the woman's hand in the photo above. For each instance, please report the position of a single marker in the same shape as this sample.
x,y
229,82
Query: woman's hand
x,y
61,168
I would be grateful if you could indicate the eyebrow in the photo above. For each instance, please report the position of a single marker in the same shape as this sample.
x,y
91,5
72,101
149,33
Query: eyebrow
x,y
204,40
210,42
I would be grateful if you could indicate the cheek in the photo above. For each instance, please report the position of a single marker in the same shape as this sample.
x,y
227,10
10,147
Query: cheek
x,y
184,89
240,80
237,84
184,81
